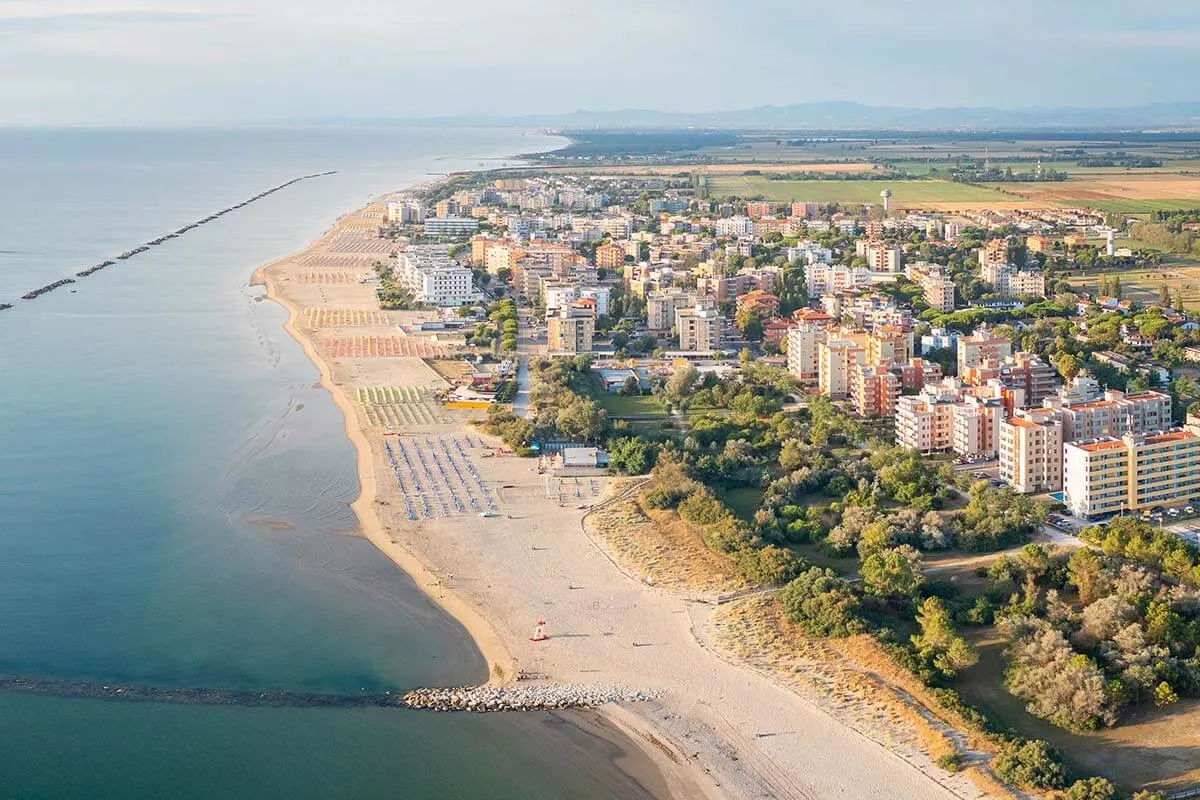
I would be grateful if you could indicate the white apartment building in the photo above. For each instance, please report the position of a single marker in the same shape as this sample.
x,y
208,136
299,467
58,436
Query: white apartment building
x,y
451,226
1006,279
1132,473
1114,415
600,294
1031,451
981,346
937,289
557,295
699,329
427,272
822,278
803,351
976,427
734,227
925,422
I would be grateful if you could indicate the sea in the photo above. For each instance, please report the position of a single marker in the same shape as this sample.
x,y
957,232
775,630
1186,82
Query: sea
x,y
175,489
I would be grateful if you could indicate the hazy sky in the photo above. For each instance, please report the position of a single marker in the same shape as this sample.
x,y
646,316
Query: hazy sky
x,y
100,61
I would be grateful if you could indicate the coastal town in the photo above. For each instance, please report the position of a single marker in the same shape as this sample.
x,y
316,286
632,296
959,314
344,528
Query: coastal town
x,y
897,462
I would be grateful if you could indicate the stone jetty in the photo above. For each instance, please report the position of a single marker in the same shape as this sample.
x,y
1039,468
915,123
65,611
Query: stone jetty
x,y
36,293
523,698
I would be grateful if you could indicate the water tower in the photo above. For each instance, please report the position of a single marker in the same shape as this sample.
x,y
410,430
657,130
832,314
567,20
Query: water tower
x,y
886,194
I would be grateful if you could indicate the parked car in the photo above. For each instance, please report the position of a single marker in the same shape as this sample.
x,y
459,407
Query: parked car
x,y
1174,512
1189,510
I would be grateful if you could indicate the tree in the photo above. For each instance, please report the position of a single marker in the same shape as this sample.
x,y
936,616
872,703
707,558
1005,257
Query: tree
x,y
938,642
822,604
1164,695
631,455
893,573
679,386
1067,366
1031,764
1091,789
582,418
1085,571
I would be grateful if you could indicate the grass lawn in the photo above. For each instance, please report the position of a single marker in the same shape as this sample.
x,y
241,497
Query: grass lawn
x,y
742,500
867,191
645,405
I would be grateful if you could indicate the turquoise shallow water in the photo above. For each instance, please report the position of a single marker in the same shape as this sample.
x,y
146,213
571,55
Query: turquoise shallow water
x,y
150,422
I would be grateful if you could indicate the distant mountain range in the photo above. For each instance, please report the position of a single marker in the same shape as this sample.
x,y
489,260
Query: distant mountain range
x,y
856,116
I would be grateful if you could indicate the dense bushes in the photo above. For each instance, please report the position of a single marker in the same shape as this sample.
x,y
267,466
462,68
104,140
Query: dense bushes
x,y
822,604
1030,764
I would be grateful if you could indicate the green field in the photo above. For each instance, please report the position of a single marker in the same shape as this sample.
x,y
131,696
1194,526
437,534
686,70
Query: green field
x,y
616,405
903,192
744,501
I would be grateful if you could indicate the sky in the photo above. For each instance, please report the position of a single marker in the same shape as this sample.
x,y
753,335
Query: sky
x,y
231,61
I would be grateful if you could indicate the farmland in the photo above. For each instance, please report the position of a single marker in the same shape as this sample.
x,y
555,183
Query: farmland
x,y
904,192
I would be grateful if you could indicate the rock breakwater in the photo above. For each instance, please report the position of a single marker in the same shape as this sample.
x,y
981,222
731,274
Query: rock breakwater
x,y
523,698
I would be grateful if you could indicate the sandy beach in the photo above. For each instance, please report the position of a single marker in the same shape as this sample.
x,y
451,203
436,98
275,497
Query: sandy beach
x,y
721,727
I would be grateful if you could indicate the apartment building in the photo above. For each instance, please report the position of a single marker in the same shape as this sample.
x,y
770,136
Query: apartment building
x,y
995,251
1031,451
874,389
976,426
1135,472
981,346
699,328
734,227
820,278
883,257
764,304
427,272
1012,282
572,329
937,289
451,226
662,304
803,350
925,422
1116,414
836,358
610,256
889,344
1030,379
945,416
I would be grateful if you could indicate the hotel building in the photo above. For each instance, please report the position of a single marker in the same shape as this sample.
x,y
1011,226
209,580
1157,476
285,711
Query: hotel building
x,y
1135,472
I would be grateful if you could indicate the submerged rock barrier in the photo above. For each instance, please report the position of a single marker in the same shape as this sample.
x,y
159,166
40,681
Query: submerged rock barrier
x,y
539,697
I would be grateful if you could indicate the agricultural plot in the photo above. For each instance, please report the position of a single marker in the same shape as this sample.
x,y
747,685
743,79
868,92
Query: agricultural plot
x,y
344,318
331,277
904,193
437,476
400,407
1127,194
360,246
384,347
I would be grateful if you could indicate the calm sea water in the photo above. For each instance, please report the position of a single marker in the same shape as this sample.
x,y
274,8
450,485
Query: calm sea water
x,y
150,422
